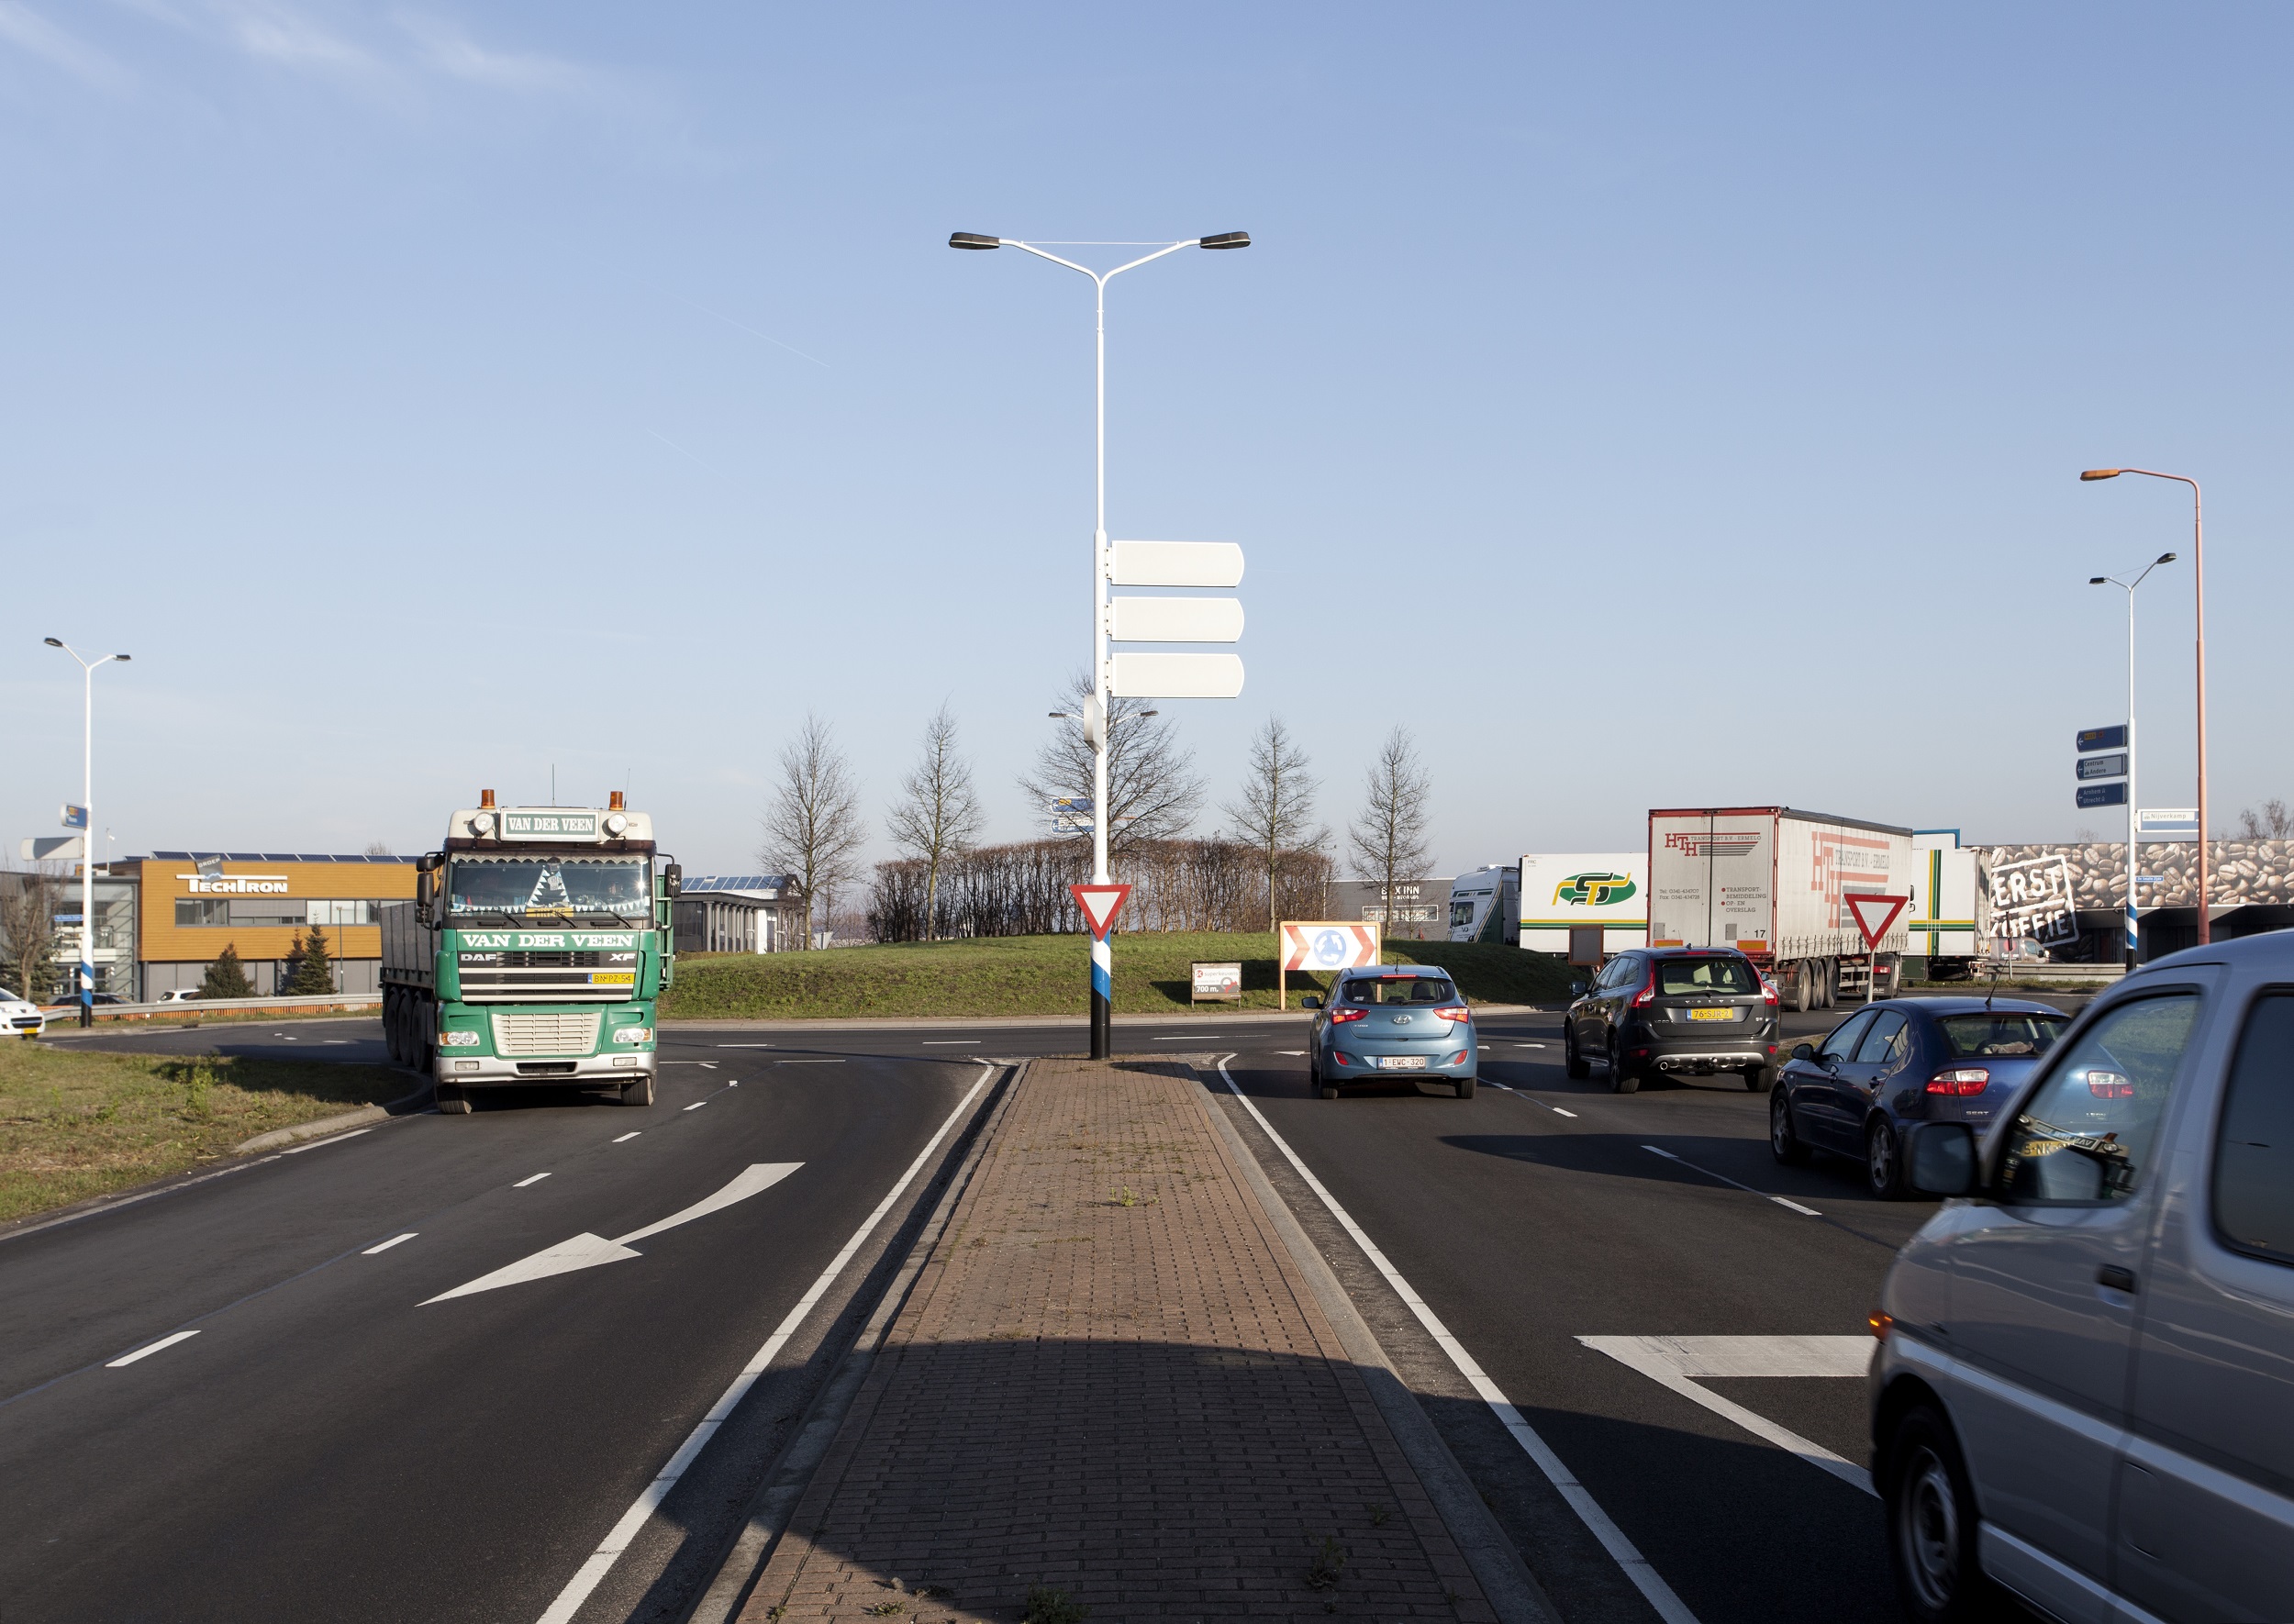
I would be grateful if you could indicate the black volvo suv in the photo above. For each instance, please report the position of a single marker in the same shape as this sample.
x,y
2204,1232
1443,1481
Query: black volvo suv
x,y
1699,1011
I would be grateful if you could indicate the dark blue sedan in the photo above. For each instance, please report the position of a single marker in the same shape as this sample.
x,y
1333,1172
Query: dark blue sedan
x,y
1908,1059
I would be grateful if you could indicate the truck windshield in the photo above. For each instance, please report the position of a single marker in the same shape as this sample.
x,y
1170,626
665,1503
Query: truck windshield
x,y
622,886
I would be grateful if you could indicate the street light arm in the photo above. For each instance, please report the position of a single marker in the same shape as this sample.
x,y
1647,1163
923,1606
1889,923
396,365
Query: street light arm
x,y
1144,259
1038,253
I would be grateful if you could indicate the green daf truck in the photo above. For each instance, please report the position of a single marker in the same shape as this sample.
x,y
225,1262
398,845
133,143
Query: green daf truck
x,y
533,952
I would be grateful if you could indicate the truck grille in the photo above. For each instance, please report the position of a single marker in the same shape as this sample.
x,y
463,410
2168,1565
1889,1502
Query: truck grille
x,y
547,977
519,1035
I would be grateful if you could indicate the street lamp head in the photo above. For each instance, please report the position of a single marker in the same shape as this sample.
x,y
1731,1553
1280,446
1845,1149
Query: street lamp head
x,y
123,659
973,239
1226,239
2102,473
2166,558
2099,580
53,642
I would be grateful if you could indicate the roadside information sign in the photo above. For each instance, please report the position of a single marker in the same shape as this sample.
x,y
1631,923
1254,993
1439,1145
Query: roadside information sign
x,y
2168,823
1218,984
2111,766
1100,904
2102,738
1873,914
1323,945
2102,794
74,816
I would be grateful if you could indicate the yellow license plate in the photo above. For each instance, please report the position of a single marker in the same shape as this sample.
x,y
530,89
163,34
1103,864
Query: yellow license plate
x,y
612,978
1712,1015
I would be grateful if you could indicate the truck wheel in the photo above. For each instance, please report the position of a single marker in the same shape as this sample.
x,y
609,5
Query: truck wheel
x,y
1573,1060
1785,1142
1799,999
453,1101
1827,983
1465,1087
639,1093
1932,1523
1621,1081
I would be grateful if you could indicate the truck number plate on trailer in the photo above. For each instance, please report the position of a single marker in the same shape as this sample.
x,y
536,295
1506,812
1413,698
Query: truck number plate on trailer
x,y
1712,1015
1403,1063
612,978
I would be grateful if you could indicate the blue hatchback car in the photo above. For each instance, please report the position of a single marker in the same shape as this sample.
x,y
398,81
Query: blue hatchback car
x,y
1401,1022
1905,1061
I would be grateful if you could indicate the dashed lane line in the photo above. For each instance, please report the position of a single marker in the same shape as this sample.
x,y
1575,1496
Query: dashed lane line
x,y
387,1245
151,1348
696,1105
1621,1550
536,1178
626,1138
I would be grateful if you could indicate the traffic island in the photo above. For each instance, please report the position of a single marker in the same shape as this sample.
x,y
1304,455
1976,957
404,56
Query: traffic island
x,y
1111,1394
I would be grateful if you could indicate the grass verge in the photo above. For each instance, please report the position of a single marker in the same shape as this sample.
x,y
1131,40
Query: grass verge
x,y
1048,975
75,1123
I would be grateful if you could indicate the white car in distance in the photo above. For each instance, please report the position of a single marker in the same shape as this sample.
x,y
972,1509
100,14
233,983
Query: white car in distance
x,y
24,1019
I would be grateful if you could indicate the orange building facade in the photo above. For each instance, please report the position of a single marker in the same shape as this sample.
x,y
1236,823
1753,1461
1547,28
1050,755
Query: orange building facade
x,y
190,905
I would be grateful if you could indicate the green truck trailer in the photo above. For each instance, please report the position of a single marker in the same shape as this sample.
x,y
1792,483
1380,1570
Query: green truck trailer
x,y
532,955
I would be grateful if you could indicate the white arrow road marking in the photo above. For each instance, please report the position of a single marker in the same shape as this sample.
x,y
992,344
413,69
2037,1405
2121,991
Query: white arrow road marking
x,y
1673,1362
586,1251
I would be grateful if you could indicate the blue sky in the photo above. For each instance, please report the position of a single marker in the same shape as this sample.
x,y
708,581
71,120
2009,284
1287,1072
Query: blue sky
x,y
1644,405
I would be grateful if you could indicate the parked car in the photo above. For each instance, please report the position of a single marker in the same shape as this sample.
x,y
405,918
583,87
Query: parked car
x,y
2084,1391
1905,1061
20,1016
1698,1010
1409,1019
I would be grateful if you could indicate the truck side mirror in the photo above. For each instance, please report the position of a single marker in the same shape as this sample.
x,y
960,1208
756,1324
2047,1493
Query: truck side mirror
x,y
1939,1158
673,879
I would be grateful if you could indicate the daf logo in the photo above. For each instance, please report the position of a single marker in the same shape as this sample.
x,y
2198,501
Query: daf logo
x,y
1401,1020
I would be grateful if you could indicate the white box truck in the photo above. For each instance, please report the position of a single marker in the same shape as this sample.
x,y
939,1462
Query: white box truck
x,y
1773,882
1603,895
1949,920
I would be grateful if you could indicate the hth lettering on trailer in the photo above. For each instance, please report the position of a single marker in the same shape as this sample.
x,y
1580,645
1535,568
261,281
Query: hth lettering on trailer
x,y
1774,884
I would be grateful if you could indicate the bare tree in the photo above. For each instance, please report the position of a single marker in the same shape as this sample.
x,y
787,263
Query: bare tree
x,y
1277,811
813,829
1152,788
28,932
2274,822
937,814
1388,840
377,848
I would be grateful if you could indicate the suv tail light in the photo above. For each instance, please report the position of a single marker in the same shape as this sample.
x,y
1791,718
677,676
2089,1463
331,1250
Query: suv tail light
x,y
1339,1017
1454,1012
1648,993
1768,992
2105,1085
1961,1080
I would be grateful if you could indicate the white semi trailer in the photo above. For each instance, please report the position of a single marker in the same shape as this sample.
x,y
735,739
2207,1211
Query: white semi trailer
x,y
1773,882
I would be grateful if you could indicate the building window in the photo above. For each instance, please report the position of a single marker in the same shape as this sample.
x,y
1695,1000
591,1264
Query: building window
x,y
202,911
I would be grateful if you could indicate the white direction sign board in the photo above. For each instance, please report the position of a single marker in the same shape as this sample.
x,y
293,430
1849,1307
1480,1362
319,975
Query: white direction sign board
x,y
1177,620
1176,676
1175,564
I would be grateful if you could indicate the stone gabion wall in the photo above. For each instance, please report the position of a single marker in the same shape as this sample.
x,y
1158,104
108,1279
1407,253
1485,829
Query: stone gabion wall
x,y
2240,871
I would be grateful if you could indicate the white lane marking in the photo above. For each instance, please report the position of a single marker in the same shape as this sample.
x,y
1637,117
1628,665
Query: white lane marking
x,y
696,1105
1532,1045
331,1140
587,1252
521,1183
807,1063
1671,1362
335,1042
1559,1112
641,1510
744,1045
1637,1567
1724,1178
1296,1052
947,1043
626,1138
685,1063
387,1245
151,1348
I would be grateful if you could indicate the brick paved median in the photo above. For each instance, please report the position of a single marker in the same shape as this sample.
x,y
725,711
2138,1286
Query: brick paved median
x,y
1110,1381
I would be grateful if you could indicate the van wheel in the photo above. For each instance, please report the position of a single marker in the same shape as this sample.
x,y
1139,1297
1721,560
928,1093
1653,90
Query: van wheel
x,y
1785,1142
453,1101
1621,1081
1932,1523
1573,1060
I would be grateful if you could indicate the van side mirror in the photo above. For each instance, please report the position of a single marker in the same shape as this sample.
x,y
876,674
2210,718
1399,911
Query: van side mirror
x,y
1577,989
1804,1051
1939,1158
1310,1002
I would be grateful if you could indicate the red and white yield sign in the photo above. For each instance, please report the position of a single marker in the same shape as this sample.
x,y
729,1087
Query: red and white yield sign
x,y
1873,915
1100,904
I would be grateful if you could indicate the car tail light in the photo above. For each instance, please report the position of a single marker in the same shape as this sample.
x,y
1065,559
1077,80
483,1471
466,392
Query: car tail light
x,y
1454,1012
1339,1017
1342,1057
2108,1085
1648,993
1963,1080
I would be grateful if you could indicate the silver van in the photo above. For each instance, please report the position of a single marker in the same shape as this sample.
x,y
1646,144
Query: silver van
x,y
2083,1392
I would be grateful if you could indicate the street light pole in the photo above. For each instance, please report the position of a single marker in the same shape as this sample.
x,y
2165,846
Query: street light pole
x,y
87,836
2133,867
2199,575
1095,714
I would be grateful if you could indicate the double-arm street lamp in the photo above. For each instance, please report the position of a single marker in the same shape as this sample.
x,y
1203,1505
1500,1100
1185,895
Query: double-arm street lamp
x,y
2198,579
87,838
2133,866
1096,712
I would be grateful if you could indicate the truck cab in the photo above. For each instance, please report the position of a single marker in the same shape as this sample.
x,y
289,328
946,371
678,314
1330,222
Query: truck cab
x,y
533,953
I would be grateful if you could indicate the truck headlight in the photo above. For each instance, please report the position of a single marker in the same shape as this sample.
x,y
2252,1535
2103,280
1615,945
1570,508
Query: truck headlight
x,y
458,1039
633,1035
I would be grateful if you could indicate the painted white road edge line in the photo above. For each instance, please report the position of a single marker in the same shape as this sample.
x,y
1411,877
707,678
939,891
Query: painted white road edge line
x,y
1635,1353
1724,1178
332,1139
1637,1567
387,1245
151,1348
521,1183
641,1511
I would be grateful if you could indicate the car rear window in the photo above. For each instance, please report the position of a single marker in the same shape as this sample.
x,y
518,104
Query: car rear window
x,y
1400,989
2000,1036
1684,977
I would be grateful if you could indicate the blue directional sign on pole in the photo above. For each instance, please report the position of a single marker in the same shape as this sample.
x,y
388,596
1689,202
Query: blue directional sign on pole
x,y
2110,766
2102,794
2102,738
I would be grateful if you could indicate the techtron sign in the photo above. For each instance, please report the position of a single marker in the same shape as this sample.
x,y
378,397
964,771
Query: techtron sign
x,y
234,884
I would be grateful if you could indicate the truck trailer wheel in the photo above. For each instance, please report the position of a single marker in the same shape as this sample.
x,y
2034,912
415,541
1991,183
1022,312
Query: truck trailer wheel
x,y
453,1101
639,1093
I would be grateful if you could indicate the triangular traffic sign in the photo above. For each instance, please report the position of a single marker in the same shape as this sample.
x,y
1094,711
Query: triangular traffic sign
x,y
1100,904
1874,914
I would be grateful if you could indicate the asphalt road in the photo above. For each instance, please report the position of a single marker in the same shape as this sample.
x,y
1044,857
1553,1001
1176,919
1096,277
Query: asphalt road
x,y
333,1437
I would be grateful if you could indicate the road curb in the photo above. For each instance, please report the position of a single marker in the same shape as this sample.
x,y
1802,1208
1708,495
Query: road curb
x,y
324,1126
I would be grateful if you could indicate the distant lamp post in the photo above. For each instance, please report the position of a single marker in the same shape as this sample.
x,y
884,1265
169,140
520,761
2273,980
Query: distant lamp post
x,y
2133,867
2199,583
1095,710
87,838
